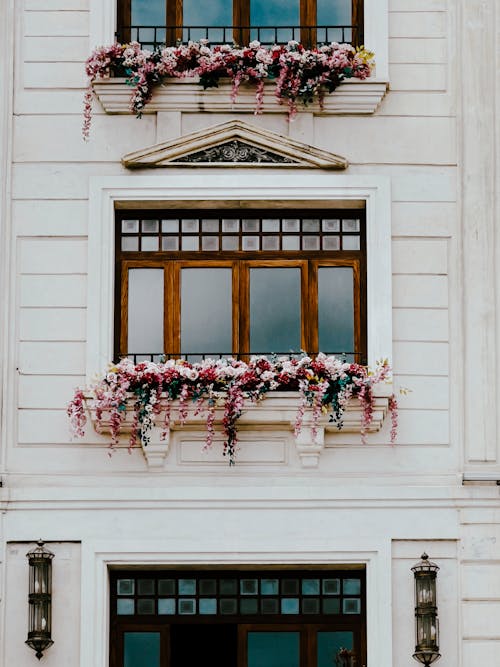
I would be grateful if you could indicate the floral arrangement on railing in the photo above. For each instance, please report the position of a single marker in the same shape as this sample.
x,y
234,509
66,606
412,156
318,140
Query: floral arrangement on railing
x,y
300,73
325,383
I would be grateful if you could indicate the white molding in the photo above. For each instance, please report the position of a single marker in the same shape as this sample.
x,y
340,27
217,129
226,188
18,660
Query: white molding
x,y
236,185
376,28
99,556
351,97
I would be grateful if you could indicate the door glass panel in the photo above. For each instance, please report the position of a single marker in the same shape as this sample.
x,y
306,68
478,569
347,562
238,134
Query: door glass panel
x,y
336,309
275,14
275,310
333,13
206,15
274,649
148,12
145,311
206,311
141,649
330,645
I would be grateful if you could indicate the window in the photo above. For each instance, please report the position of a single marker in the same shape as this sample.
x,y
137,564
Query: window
x,y
154,22
205,283
249,618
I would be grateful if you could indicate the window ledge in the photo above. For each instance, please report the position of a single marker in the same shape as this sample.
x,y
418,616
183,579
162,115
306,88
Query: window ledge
x,y
351,97
276,412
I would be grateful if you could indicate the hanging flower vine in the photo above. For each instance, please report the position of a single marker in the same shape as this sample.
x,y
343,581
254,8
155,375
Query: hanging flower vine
x,y
300,74
325,383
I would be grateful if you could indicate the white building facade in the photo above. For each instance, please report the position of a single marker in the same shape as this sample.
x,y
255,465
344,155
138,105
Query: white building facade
x,y
346,519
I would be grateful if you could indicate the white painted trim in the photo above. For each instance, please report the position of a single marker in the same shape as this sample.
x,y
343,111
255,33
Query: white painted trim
x,y
244,185
99,556
103,27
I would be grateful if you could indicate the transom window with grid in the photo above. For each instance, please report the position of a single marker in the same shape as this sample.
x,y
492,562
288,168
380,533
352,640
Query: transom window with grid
x,y
156,22
205,283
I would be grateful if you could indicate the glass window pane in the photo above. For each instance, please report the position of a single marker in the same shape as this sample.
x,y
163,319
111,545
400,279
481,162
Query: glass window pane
x,y
291,242
187,606
290,587
351,606
269,587
249,586
273,649
270,606
170,243
210,225
249,606
310,587
208,587
350,243
250,242
130,243
124,606
250,225
228,586
213,13
149,243
275,313
331,586
278,12
125,586
166,606
130,226
208,606
145,310
351,587
145,586
230,226
310,606
270,243
228,606
166,587
331,606
170,226
187,586
206,310
150,226
334,12
289,605
271,225
190,243
145,606
329,645
230,243
336,309
141,649
148,12
291,225
190,226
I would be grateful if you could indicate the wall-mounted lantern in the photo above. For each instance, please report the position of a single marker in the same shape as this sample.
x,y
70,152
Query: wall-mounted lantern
x,y
426,616
40,598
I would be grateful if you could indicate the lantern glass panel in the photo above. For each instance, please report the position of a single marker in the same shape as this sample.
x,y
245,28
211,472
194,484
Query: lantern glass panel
x,y
425,584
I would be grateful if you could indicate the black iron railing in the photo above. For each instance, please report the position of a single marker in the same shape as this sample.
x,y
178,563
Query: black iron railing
x,y
192,357
152,37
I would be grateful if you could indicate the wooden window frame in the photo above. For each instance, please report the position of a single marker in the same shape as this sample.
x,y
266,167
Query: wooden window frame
x,y
240,262
241,18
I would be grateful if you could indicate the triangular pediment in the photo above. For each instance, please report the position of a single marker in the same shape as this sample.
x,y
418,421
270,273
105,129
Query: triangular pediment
x,y
233,143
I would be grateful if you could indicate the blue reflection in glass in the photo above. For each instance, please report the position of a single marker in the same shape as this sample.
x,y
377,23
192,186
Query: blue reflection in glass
x,y
273,649
334,12
141,649
148,12
336,309
330,643
276,13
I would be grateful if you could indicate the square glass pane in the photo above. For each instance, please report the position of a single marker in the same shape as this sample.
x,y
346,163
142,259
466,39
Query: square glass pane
x,y
210,243
130,243
310,586
273,649
291,225
141,648
166,606
187,606
269,586
270,606
351,606
351,587
208,606
208,586
145,586
150,226
350,243
271,225
290,587
310,243
270,243
289,605
230,243
331,243
291,243
170,226
190,243
331,225
249,606
145,606
150,243
350,225
251,225
228,586
210,226
125,586
310,225
250,242
331,606
190,226
330,643
147,13
213,13
276,13
187,586
170,243
249,586
166,587
130,226
124,606
230,226
228,606
331,586
310,606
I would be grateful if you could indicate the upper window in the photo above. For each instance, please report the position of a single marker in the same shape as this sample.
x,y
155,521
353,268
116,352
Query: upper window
x,y
156,22
239,282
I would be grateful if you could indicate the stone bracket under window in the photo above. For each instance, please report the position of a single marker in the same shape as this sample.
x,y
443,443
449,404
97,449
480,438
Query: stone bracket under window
x,y
233,143
276,412
186,95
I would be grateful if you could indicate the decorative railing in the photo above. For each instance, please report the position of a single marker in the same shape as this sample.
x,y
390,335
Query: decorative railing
x,y
156,357
153,36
